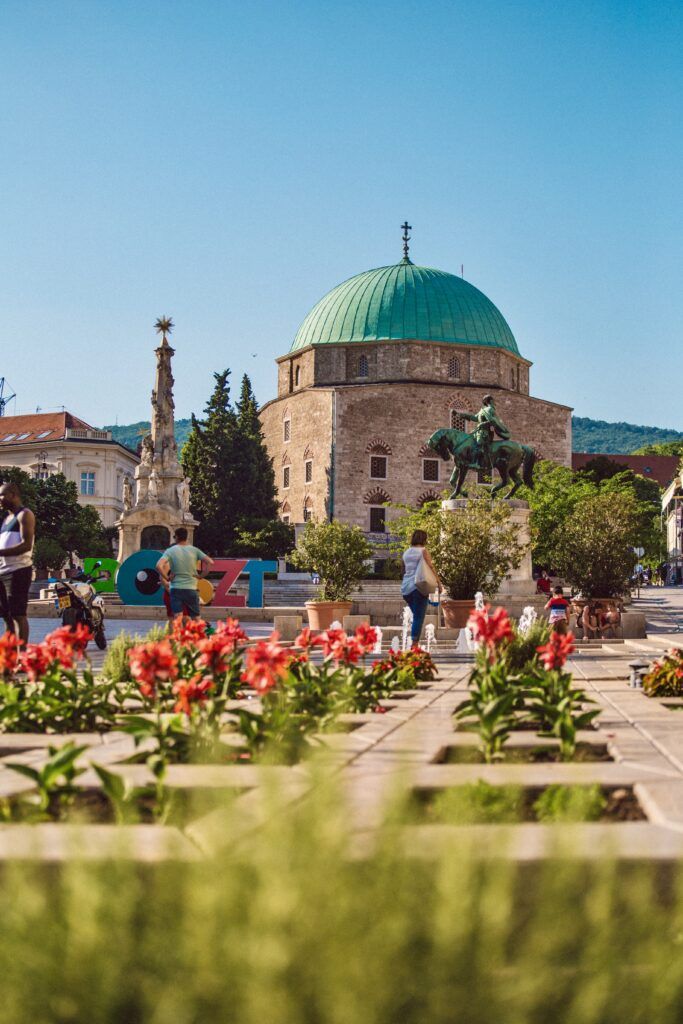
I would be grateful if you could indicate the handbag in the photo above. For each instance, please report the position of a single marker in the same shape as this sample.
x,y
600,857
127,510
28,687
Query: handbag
x,y
425,580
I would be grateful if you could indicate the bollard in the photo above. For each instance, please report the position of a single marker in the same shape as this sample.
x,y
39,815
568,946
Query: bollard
x,y
638,668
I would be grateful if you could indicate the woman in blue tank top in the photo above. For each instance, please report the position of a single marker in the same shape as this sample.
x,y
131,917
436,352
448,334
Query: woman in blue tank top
x,y
416,601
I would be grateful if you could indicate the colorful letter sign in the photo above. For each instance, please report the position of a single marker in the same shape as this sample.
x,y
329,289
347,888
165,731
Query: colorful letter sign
x,y
138,581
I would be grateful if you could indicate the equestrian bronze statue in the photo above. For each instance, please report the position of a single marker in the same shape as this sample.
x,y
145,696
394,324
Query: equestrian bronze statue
x,y
480,451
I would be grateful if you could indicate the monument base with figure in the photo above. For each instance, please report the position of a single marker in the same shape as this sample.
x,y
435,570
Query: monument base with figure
x,y
520,582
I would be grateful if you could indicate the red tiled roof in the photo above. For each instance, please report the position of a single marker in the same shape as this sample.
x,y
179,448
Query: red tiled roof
x,y
53,425
661,468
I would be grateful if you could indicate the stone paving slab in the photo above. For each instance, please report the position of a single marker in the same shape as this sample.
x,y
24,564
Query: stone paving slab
x,y
633,840
56,843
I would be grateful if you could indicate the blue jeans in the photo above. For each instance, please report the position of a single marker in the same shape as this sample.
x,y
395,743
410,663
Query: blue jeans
x,y
417,603
182,599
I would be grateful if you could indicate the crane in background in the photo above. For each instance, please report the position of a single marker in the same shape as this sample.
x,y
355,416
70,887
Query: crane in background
x,y
6,395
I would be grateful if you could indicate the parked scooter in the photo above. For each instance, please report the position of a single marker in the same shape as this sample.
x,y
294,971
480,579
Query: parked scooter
x,y
76,600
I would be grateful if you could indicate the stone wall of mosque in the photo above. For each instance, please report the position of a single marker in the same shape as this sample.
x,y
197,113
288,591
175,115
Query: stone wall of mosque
x,y
379,433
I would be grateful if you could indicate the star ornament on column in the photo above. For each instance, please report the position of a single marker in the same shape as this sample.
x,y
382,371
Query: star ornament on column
x,y
163,326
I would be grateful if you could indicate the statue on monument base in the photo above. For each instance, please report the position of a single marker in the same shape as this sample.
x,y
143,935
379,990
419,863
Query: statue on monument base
x,y
480,451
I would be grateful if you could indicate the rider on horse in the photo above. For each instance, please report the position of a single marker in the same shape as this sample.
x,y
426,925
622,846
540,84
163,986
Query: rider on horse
x,y
488,425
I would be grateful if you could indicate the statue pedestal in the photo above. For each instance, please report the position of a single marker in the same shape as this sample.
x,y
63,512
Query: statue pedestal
x,y
151,526
520,582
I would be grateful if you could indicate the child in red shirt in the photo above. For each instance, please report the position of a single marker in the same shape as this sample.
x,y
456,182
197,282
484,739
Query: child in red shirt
x,y
558,606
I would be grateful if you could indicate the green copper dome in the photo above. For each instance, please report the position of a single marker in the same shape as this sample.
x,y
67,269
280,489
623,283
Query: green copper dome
x,y
405,301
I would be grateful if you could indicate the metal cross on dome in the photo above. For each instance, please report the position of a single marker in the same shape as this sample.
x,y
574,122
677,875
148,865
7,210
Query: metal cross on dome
x,y
406,238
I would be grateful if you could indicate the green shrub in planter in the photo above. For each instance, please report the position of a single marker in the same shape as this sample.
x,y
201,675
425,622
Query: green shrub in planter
x,y
338,553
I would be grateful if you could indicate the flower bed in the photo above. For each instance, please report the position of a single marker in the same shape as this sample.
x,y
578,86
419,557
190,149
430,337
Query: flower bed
x,y
537,694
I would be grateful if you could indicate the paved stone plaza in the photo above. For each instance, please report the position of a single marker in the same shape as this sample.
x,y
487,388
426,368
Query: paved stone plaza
x,y
404,749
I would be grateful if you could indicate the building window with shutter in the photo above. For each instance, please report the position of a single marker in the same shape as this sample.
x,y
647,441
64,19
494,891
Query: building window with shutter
x,y
362,366
308,470
285,477
454,368
378,518
378,467
430,470
308,513
287,431
458,422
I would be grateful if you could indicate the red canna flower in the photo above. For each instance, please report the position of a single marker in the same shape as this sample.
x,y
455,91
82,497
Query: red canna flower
x,y
35,661
215,652
265,663
9,653
557,650
366,636
304,639
151,664
186,631
231,633
338,646
192,692
67,644
490,629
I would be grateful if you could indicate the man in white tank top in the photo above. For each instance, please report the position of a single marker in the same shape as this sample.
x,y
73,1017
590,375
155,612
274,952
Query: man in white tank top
x,y
17,531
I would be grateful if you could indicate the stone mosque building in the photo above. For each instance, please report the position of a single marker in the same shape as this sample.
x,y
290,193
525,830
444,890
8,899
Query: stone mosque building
x,y
381,362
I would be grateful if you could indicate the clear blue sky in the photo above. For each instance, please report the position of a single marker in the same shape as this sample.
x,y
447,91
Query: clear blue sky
x,y
228,163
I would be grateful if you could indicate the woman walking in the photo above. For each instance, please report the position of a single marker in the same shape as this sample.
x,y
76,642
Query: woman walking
x,y
411,587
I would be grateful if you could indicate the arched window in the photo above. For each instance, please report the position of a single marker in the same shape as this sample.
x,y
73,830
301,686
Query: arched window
x,y
458,422
297,376
362,366
454,368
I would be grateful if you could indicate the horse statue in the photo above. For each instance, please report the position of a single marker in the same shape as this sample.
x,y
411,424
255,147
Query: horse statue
x,y
505,456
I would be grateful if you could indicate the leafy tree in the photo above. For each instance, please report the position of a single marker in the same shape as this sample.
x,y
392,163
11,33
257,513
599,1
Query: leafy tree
x,y
662,448
64,527
266,539
558,491
593,549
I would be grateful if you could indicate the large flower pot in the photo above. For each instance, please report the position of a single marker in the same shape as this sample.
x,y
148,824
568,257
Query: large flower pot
x,y
456,613
321,614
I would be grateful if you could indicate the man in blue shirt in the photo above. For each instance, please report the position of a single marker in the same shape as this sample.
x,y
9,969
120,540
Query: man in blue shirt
x,y
180,567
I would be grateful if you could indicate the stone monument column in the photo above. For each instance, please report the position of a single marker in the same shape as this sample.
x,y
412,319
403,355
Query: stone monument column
x,y
162,493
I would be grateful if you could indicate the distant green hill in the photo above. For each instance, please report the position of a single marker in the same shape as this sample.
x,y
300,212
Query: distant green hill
x,y
598,436
588,435
132,433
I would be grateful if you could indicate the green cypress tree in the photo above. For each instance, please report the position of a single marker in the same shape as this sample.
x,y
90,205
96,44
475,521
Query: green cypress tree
x,y
209,459
257,492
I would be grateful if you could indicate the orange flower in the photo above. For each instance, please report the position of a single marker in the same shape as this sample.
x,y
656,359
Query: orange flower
x,y
490,629
9,652
231,633
265,663
151,664
186,631
366,636
35,661
338,646
305,639
67,644
557,650
215,652
195,691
